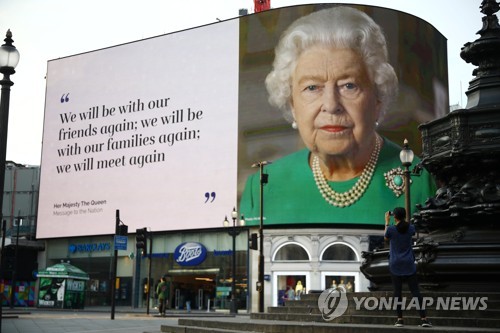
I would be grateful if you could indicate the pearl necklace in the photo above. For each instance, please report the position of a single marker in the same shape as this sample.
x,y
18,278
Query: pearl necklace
x,y
346,199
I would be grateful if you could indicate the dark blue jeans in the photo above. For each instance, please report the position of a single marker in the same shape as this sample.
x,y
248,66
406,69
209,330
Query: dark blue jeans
x,y
397,284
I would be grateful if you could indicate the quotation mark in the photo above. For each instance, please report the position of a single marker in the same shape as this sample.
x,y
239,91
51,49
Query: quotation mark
x,y
65,98
209,195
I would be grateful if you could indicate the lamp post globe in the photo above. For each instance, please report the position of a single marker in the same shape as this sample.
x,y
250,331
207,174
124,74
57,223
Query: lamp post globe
x,y
406,155
234,214
9,55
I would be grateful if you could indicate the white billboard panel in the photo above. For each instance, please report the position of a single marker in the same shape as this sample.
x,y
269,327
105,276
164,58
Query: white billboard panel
x,y
148,128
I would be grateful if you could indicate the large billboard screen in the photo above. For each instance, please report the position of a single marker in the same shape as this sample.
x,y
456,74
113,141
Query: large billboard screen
x,y
166,129
147,128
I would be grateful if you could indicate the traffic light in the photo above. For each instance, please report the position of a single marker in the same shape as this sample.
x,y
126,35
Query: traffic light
x,y
121,229
141,240
252,242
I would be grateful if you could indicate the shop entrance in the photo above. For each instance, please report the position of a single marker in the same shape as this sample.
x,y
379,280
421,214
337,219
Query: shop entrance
x,y
195,289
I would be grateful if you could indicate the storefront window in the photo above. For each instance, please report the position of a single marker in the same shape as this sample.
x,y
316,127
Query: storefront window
x,y
341,281
342,258
291,287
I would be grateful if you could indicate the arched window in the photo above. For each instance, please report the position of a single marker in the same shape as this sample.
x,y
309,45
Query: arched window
x,y
291,252
339,252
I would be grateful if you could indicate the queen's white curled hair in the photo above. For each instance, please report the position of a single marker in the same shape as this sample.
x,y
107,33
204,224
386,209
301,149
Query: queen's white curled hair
x,y
339,27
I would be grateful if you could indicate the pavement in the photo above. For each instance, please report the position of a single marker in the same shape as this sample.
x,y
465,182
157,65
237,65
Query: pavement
x,y
91,319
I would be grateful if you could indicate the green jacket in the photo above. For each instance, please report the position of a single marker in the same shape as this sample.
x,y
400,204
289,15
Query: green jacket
x,y
292,197
163,290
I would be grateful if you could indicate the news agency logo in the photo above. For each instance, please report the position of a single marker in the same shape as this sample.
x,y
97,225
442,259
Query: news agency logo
x,y
454,303
333,303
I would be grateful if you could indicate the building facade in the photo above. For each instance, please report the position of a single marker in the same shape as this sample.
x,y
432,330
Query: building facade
x,y
199,264
310,260
20,251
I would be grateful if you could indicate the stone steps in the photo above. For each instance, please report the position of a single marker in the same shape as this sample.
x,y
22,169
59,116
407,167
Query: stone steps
x,y
431,312
240,324
305,316
384,320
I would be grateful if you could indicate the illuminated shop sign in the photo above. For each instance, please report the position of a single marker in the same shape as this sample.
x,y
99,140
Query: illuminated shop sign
x,y
190,254
90,247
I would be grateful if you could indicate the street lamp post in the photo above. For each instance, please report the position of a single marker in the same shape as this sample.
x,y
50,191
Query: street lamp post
x,y
260,283
149,271
234,231
2,262
9,57
406,156
120,230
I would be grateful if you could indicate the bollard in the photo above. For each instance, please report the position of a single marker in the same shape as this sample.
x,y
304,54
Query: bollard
x,y
208,305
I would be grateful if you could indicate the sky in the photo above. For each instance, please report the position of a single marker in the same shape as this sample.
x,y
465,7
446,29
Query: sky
x,y
51,29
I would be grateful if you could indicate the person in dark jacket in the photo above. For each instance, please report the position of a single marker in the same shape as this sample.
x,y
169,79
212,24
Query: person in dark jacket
x,y
163,291
402,261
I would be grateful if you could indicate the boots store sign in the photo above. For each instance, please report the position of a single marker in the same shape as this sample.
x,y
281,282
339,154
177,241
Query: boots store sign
x,y
190,254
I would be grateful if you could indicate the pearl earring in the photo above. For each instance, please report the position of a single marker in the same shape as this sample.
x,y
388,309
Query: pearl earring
x,y
294,125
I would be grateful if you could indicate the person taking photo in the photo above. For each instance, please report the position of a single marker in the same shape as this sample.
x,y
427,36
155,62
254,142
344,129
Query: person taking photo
x,y
402,262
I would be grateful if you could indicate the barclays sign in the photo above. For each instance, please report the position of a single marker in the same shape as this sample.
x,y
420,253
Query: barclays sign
x,y
90,247
190,254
